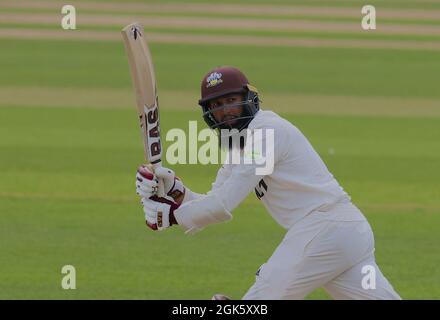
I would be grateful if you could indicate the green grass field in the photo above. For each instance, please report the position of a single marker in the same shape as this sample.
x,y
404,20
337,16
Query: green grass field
x,y
70,146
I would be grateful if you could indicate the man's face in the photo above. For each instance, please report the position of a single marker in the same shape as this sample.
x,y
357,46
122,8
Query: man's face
x,y
227,115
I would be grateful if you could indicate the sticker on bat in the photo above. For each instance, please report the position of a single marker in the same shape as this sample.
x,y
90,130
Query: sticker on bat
x,y
153,133
135,32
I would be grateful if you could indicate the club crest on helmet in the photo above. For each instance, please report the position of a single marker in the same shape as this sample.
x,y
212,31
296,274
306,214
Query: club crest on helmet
x,y
214,79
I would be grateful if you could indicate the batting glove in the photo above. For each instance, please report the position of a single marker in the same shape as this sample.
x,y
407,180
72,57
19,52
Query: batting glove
x,y
159,213
147,183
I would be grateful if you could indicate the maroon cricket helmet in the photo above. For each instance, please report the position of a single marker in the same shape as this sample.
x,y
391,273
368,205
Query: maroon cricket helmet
x,y
223,81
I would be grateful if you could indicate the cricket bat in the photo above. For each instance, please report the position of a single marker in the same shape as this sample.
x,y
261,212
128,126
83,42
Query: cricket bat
x,y
144,82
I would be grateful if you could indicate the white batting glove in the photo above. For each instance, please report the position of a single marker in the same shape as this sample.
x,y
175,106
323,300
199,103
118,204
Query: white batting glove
x,y
147,183
159,213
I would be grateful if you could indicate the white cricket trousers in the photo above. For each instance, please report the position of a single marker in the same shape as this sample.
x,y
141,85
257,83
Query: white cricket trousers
x,y
331,248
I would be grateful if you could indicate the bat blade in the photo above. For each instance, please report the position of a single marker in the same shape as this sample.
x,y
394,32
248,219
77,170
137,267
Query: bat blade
x,y
144,82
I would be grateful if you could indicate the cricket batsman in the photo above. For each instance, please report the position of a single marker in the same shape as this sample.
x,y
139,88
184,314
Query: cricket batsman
x,y
328,243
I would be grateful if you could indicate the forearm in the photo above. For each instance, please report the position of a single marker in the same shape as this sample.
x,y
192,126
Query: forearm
x,y
190,195
200,212
186,197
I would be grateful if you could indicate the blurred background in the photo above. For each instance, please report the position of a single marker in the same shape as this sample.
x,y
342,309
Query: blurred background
x,y
369,102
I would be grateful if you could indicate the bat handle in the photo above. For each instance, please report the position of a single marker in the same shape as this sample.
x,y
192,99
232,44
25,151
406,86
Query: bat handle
x,y
160,184
160,188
